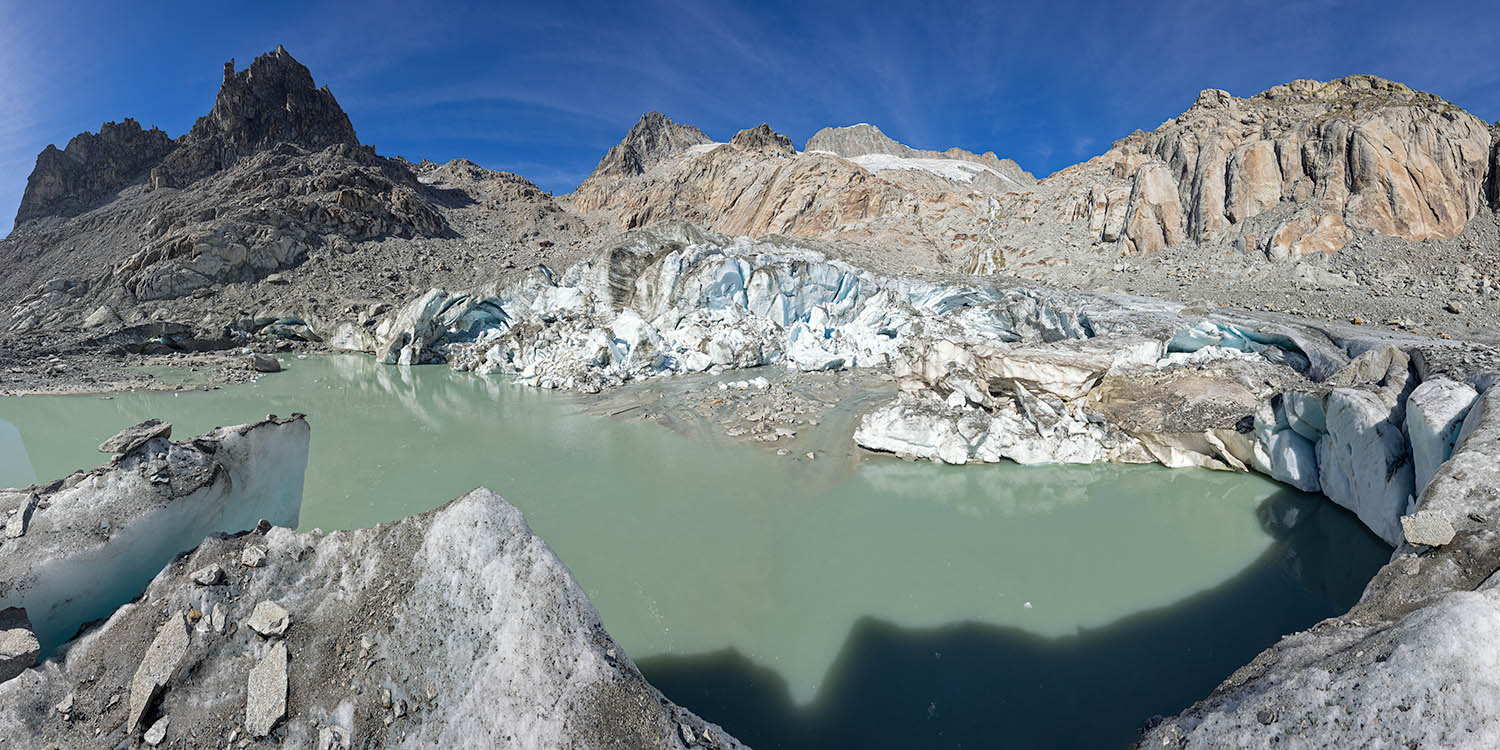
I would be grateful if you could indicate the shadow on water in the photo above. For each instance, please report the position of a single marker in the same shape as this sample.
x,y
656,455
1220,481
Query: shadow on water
x,y
976,685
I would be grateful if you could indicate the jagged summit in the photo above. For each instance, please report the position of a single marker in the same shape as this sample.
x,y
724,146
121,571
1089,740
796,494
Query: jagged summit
x,y
94,166
763,138
272,101
653,138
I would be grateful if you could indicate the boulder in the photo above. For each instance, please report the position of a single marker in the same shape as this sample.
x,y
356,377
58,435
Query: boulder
x,y
156,668
130,438
269,619
18,645
263,363
265,696
1427,528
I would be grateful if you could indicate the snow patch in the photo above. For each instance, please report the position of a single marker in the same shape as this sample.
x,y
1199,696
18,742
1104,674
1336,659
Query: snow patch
x,y
954,170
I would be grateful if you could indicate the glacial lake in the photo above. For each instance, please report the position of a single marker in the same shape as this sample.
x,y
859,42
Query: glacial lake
x,y
853,600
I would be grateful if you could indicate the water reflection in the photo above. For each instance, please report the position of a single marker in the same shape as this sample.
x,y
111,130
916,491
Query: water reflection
x,y
976,685
813,570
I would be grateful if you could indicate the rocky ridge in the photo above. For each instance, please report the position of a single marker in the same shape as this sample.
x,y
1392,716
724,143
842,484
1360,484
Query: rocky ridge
x,y
92,168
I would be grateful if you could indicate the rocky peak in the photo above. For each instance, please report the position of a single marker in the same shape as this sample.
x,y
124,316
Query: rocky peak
x,y
1310,159
93,167
857,140
653,138
272,101
763,138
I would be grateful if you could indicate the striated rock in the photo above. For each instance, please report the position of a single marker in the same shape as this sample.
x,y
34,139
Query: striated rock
x,y
531,662
1357,153
18,645
95,539
130,438
92,169
1153,216
937,206
272,101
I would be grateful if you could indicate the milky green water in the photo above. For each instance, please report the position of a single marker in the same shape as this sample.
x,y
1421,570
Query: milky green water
x,y
693,548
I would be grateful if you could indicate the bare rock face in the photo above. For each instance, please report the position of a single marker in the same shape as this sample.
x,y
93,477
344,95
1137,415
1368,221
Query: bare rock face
x,y
857,140
93,167
1153,218
654,138
1359,153
763,138
853,184
272,101
1494,182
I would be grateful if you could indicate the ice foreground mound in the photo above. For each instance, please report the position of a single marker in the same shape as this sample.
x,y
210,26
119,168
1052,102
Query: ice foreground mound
x,y
454,628
94,539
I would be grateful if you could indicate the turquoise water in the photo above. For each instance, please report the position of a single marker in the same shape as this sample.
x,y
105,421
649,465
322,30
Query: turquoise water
x,y
760,590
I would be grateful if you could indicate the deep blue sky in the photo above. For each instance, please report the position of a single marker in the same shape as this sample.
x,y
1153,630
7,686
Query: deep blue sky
x,y
542,89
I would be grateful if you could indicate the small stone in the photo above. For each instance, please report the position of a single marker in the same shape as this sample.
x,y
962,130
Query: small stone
x,y
265,697
253,556
218,618
399,709
65,706
130,438
269,619
264,363
157,732
1265,716
212,575
688,737
194,615
333,738
385,698
1454,307
1427,528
